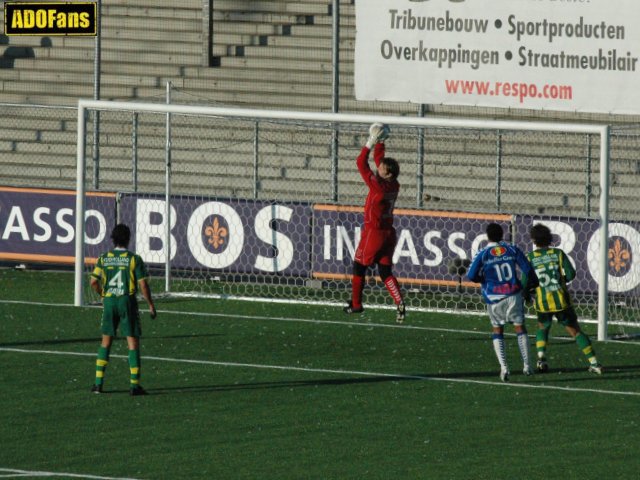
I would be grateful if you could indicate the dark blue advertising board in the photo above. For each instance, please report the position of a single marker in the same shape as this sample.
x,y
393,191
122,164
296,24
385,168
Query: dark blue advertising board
x,y
293,239
427,242
38,225
580,239
230,235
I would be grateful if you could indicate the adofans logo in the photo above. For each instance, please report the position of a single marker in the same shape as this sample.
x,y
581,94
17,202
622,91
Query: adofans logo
x,y
50,18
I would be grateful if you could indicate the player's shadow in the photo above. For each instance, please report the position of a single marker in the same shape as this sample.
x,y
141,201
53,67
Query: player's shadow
x,y
96,340
272,385
317,383
549,376
173,337
67,341
490,373
617,372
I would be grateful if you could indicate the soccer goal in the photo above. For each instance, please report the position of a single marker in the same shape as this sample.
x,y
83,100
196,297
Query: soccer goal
x,y
252,204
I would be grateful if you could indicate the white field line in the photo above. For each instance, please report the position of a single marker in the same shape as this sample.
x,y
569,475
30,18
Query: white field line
x,y
315,321
299,320
14,473
399,376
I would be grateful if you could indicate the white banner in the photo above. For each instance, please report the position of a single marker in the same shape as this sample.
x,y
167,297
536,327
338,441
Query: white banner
x,y
568,55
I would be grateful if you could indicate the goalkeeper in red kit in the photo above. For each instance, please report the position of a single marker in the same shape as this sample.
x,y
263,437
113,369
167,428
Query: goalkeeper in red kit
x,y
378,239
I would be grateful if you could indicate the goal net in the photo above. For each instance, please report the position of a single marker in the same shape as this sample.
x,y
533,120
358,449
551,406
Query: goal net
x,y
267,205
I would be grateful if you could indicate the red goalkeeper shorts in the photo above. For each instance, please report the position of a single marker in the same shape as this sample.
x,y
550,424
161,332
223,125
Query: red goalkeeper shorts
x,y
376,246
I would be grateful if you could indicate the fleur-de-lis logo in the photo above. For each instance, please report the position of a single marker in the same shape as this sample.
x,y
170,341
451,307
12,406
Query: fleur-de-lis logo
x,y
216,233
619,256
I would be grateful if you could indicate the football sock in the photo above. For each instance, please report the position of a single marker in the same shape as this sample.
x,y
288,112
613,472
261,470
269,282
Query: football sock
x,y
542,338
585,345
357,286
101,364
498,346
394,289
523,345
134,367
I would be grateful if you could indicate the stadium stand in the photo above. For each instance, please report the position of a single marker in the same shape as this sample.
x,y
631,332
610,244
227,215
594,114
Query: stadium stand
x,y
269,55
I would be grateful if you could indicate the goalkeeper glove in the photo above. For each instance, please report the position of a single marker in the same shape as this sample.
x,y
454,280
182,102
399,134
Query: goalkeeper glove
x,y
378,132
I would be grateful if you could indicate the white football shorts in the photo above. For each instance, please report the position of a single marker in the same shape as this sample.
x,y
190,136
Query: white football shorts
x,y
509,310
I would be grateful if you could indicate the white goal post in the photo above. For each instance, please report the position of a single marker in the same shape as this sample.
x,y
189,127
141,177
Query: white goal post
x,y
308,120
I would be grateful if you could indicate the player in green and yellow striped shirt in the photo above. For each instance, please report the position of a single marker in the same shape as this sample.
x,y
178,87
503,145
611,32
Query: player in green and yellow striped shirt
x,y
552,299
116,278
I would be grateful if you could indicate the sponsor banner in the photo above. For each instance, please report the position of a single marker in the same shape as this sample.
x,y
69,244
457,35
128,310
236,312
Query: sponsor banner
x,y
38,225
50,18
579,55
233,236
294,239
428,242
580,239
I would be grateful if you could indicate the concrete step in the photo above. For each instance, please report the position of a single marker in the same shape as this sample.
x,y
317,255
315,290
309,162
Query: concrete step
x,y
628,191
287,65
317,53
139,86
64,95
463,170
225,38
53,148
262,87
190,4
141,9
36,135
272,154
181,37
10,54
150,23
264,74
106,79
297,8
625,167
65,89
320,31
262,17
308,42
347,21
29,41
26,66
250,28
8,74
118,32
11,123
174,58
129,44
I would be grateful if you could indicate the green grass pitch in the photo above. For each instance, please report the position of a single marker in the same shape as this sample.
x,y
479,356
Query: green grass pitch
x,y
243,390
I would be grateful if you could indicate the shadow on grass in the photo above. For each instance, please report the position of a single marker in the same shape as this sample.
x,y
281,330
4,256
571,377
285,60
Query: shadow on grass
x,y
96,340
34,343
313,383
611,372
272,385
630,372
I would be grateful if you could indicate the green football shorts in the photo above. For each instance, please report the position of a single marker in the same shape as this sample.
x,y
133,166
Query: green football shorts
x,y
121,313
565,317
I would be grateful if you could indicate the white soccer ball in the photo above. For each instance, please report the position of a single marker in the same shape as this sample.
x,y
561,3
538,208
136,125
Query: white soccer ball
x,y
380,131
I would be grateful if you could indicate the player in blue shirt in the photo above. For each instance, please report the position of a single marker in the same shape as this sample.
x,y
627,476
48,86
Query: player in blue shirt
x,y
494,267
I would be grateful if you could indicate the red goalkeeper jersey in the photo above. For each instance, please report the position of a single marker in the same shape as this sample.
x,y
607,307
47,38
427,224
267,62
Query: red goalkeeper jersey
x,y
382,196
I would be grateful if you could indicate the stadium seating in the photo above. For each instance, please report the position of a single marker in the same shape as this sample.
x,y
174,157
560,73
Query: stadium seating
x,y
271,54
